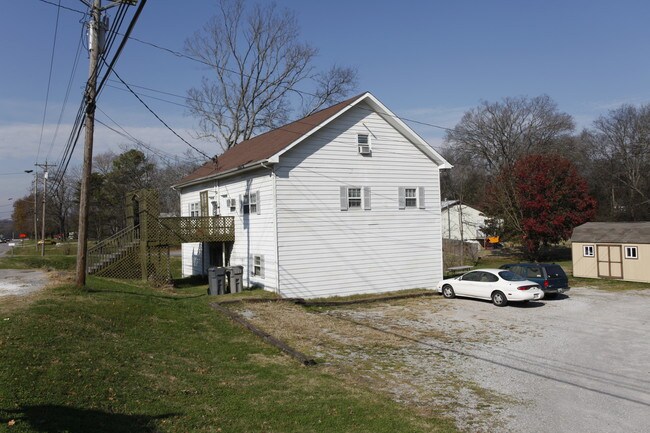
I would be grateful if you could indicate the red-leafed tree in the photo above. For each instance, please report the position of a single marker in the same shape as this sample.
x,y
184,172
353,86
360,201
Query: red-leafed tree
x,y
541,200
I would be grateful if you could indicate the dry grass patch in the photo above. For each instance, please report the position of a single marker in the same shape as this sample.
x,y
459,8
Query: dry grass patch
x,y
407,349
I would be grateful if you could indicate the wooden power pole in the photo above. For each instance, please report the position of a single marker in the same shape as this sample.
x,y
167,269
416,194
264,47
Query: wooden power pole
x,y
91,96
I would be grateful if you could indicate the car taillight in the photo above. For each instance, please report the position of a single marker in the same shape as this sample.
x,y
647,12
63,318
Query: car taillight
x,y
524,287
546,283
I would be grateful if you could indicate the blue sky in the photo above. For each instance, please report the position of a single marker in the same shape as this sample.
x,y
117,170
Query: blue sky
x,y
428,61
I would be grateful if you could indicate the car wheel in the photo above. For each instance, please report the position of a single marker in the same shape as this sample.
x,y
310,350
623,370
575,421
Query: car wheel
x,y
499,299
448,292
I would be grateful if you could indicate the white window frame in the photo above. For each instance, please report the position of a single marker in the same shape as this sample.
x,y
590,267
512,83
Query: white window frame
x,y
356,199
363,144
588,251
195,209
250,203
631,252
364,198
405,202
231,203
257,266
411,198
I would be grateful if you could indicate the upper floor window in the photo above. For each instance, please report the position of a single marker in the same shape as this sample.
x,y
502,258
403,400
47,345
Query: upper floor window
x,y
195,209
631,253
363,143
355,198
250,203
588,251
411,197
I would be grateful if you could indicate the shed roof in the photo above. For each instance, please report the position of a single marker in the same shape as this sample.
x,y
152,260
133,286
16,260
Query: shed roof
x,y
616,233
271,144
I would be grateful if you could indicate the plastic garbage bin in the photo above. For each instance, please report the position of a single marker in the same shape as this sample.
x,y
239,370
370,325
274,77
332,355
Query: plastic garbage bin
x,y
216,280
235,274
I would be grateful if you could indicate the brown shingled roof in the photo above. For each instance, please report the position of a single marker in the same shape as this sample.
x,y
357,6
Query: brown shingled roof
x,y
618,232
263,146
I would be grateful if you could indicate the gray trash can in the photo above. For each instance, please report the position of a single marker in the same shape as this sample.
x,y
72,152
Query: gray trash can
x,y
216,280
235,274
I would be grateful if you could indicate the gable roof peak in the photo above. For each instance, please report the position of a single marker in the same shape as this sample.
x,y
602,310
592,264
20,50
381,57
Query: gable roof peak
x,y
268,146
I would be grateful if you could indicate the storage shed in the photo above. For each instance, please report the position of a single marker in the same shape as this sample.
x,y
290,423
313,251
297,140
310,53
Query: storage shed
x,y
618,250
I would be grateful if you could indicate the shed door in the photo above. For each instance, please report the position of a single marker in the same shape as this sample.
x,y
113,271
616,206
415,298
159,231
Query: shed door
x,y
610,262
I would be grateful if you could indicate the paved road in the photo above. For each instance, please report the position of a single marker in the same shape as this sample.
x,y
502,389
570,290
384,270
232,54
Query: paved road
x,y
581,363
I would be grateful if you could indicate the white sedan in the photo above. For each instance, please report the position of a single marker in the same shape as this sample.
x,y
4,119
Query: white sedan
x,y
499,285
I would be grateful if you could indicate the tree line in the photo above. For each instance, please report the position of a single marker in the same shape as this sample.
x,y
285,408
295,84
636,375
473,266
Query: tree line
x,y
114,175
521,161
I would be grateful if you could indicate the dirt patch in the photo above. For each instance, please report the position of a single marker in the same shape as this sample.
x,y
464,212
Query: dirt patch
x,y
22,282
391,348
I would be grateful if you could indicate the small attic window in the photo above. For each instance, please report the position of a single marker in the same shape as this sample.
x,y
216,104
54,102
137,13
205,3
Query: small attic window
x,y
363,142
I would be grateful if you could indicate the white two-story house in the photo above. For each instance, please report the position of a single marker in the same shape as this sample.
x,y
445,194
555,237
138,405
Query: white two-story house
x,y
344,201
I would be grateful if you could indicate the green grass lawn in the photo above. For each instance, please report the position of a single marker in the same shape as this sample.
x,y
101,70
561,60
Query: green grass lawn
x,y
127,358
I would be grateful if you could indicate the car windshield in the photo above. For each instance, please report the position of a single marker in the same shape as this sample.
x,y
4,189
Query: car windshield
x,y
510,276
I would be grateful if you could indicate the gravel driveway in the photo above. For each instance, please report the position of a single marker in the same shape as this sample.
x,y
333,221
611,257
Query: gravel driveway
x,y
580,363
20,282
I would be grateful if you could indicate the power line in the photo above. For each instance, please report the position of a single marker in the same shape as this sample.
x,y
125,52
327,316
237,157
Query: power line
x,y
49,79
302,92
167,157
158,117
63,7
75,64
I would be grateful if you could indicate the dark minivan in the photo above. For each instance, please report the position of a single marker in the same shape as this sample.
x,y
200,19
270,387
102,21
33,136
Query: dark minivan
x,y
550,276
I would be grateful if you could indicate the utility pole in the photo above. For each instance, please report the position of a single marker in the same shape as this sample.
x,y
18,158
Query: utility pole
x,y
91,95
34,218
96,27
44,167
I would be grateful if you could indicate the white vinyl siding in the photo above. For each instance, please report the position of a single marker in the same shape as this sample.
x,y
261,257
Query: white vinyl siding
x,y
326,252
253,232
303,245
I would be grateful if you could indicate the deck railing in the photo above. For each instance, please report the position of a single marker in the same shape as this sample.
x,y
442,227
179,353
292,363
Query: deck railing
x,y
177,230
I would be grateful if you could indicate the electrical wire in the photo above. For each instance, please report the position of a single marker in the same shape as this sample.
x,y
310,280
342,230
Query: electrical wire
x,y
67,92
49,79
165,156
159,118
62,7
301,92
76,131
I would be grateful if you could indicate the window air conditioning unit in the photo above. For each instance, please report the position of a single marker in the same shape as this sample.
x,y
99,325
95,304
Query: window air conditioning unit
x,y
364,144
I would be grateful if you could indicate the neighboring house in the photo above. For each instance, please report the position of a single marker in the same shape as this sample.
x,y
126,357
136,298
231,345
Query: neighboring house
x,y
344,201
460,221
612,250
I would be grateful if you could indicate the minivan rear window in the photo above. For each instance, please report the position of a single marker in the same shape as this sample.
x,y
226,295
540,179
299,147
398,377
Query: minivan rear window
x,y
555,271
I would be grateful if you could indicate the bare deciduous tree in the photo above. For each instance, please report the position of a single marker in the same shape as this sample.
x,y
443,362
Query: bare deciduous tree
x,y
258,65
622,141
498,133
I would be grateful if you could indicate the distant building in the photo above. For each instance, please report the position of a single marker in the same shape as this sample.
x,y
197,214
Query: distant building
x,y
618,250
460,221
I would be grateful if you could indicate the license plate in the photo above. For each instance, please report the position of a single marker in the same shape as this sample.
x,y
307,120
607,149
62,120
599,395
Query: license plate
x,y
535,296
